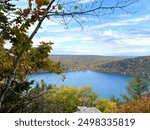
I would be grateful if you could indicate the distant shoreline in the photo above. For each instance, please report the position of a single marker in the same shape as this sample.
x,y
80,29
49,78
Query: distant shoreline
x,y
40,72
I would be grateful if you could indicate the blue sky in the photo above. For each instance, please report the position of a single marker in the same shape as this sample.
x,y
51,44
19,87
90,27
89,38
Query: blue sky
x,y
117,34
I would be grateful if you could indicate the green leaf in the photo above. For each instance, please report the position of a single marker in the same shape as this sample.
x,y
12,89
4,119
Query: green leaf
x,y
59,7
53,7
76,7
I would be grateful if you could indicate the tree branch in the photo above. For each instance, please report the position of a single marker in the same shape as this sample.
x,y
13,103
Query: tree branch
x,y
26,101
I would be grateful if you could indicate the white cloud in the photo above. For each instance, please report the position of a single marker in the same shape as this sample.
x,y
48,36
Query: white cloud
x,y
91,41
86,1
131,21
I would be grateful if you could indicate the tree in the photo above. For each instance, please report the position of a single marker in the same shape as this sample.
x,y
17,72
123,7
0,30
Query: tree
x,y
61,99
135,89
105,105
136,106
16,21
66,99
37,105
88,98
115,99
15,98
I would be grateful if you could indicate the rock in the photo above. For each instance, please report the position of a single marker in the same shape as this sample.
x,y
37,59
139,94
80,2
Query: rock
x,y
87,110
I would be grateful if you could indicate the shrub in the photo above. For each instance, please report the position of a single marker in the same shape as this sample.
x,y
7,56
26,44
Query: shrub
x,y
66,99
136,106
105,105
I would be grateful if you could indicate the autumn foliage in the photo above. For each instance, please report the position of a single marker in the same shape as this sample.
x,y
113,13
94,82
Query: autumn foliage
x,y
66,99
105,105
41,2
22,58
136,106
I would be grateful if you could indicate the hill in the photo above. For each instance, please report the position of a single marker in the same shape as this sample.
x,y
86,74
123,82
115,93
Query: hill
x,y
131,66
83,62
124,65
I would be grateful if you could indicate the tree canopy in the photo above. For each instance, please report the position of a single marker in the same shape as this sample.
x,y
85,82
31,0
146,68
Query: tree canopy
x,y
136,88
66,99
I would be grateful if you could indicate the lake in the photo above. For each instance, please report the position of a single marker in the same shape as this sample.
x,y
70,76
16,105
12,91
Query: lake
x,y
104,84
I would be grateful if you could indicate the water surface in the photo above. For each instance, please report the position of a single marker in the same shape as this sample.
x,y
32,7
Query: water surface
x,y
104,84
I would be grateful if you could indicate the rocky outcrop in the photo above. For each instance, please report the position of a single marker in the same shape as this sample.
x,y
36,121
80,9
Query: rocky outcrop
x,y
87,110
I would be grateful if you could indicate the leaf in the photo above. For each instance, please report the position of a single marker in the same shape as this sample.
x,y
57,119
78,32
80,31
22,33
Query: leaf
x,y
26,12
59,7
76,7
39,2
53,7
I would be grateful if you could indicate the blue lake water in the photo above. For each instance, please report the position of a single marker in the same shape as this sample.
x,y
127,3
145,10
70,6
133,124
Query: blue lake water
x,y
104,84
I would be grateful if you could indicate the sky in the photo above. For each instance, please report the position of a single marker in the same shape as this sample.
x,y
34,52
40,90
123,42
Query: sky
x,y
119,34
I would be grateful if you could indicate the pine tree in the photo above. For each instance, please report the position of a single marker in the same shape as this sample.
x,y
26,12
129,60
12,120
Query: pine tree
x,y
135,89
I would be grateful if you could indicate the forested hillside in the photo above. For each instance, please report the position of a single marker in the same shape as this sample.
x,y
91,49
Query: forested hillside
x,y
83,62
124,65
132,66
